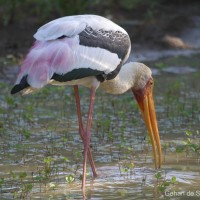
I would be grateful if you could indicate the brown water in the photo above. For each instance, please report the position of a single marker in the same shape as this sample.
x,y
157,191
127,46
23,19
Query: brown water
x,y
40,145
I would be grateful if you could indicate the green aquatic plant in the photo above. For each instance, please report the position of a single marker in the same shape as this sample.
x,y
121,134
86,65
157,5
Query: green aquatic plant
x,y
158,176
25,190
165,147
2,182
70,178
22,176
166,183
52,185
22,187
163,184
122,193
126,167
189,144
26,133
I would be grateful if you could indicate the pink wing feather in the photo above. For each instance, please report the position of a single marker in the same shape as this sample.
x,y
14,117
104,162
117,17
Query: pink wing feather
x,y
45,58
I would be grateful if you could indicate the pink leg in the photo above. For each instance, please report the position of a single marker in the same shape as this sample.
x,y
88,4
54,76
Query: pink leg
x,y
81,129
87,135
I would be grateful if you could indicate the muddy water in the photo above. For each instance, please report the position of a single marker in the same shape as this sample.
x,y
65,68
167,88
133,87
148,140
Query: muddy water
x,y
40,144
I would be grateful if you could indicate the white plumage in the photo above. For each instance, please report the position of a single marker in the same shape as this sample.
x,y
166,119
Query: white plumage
x,y
73,25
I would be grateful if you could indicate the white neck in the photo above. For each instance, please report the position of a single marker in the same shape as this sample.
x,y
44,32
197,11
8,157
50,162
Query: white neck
x,y
132,75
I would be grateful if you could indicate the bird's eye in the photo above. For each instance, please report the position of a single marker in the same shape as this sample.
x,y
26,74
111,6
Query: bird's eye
x,y
151,82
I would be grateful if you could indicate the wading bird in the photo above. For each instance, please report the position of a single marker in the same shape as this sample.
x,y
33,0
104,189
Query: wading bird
x,y
91,51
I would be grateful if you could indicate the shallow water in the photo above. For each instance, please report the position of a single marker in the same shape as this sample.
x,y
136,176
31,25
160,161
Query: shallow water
x,y
40,145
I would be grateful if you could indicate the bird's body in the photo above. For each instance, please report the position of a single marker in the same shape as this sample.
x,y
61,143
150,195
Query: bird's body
x,y
72,48
89,50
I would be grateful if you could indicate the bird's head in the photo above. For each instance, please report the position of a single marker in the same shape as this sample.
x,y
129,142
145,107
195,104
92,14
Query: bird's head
x,y
143,92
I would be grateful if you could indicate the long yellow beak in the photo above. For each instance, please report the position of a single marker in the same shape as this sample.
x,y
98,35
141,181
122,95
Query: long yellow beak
x,y
146,105
151,123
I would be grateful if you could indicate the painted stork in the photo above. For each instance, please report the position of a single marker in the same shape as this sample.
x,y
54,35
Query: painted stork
x,y
89,50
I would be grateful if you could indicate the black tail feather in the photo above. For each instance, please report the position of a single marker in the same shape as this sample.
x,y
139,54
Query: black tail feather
x,y
22,85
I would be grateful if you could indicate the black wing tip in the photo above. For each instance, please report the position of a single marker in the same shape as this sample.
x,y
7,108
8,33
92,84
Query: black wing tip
x,y
16,89
22,85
